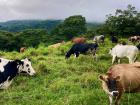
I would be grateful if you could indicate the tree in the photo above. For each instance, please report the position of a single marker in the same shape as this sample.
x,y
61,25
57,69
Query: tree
x,y
71,27
124,22
32,37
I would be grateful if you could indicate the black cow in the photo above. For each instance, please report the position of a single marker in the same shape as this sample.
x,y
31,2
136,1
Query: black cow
x,y
114,39
82,48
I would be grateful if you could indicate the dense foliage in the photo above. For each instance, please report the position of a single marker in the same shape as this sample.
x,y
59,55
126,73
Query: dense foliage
x,y
71,27
21,25
34,32
124,22
40,32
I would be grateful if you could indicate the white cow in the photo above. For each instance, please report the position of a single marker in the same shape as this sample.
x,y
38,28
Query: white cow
x,y
120,51
99,38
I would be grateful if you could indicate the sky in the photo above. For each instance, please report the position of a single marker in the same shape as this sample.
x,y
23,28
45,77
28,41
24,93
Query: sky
x,y
92,10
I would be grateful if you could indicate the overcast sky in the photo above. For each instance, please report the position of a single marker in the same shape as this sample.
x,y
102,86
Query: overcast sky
x,y
93,10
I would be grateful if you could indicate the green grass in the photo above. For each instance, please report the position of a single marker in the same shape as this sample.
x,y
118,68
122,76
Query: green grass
x,y
60,81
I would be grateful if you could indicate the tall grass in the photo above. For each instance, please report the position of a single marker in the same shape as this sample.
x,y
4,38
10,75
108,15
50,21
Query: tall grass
x,y
60,81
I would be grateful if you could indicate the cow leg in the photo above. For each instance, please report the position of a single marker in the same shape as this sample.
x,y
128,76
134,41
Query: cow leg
x,y
6,84
135,58
113,59
119,60
110,100
130,60
118,98
76,54
94,55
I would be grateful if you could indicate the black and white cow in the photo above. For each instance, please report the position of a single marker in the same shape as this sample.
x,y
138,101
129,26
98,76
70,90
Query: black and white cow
x,y
10,68
77,49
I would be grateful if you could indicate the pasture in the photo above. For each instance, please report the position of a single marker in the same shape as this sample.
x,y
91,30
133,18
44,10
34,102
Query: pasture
x,y
62,82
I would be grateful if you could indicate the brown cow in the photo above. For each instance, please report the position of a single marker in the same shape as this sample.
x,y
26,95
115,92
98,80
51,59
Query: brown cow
x,y
119,79
22,49
79,40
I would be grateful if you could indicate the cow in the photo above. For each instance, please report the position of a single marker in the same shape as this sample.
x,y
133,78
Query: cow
x,y
27,67
10,68
79,40
77,49
119,79
56,45
134,38
120,51
99,39
22,49
114,39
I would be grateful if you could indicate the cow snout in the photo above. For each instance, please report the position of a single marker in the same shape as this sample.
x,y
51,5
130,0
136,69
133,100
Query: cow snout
x,y
33,74
115,93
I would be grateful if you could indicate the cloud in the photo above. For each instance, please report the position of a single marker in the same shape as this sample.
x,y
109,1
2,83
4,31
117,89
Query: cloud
x,y
93,10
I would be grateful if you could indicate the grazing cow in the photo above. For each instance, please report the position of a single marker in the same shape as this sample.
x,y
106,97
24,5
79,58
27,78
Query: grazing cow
x,y
82,48
22,49
56,45
119,79
114,39
99,38
79,40
134,39
10,68
120,51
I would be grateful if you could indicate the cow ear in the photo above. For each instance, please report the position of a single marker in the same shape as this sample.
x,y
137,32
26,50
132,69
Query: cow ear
x,y
117,78
19,62
27,59
101,77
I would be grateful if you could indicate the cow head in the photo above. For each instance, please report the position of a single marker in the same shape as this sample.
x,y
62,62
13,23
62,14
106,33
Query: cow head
x,y
27,67
68,54
110,85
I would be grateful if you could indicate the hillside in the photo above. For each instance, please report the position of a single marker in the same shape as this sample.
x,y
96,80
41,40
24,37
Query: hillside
x,y
60,81
20,25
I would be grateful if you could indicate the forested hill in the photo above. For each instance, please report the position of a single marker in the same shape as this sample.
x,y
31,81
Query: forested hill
x,y
20,25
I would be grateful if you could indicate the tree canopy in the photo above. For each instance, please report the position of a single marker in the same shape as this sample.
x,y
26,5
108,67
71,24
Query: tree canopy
x,y
71,27
123,22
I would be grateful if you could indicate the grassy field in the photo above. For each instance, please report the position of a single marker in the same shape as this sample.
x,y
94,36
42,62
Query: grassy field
x,y
60,81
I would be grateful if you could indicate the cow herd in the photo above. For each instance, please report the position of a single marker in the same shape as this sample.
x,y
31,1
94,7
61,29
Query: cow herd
x,y
119,78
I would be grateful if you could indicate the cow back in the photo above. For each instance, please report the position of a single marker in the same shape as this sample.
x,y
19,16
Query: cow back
x,y
129,76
